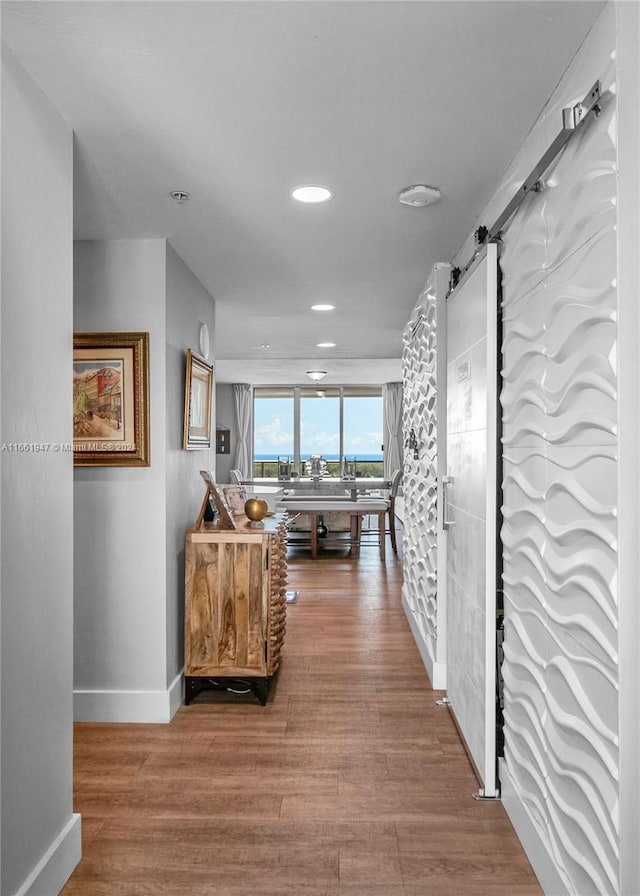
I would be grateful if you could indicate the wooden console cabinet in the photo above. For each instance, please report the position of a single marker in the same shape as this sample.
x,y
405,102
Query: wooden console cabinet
x,y
235,610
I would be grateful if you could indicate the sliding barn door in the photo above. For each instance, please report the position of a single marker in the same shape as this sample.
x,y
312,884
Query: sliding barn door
x,y
469,493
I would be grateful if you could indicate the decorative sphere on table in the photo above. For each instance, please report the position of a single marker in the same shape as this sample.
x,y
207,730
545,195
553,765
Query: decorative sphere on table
x,y
256,509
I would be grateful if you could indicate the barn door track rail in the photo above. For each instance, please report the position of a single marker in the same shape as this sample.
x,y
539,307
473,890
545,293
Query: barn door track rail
x,y
573,118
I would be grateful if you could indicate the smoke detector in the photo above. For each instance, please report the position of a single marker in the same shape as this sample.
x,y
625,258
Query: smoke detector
x,y
419,195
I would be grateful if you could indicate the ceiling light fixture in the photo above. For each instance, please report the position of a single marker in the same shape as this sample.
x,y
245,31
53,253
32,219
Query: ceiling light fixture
x,y
323,307
419,195
312,193
325,345
316,375
180,196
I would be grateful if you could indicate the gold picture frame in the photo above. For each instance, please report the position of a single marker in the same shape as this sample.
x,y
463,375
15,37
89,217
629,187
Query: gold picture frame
x,y
198,392
111,400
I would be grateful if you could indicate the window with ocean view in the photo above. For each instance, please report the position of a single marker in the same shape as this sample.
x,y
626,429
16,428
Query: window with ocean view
x,y
291,423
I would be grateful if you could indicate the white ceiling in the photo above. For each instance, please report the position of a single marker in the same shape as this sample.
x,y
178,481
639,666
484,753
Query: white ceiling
x,y
237,102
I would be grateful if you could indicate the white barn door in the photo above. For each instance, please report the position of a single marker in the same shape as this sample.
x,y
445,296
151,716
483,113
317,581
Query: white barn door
x,y
469,492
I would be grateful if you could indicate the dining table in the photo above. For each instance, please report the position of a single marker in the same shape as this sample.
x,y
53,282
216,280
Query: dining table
x,y
315,496
316,506
324,485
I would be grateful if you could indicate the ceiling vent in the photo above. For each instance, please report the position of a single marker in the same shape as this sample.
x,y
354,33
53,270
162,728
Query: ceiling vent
x,y
419,195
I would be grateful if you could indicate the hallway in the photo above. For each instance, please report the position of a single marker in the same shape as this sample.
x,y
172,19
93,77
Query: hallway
x,y
350,782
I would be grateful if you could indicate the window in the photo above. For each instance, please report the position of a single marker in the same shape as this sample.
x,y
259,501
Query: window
x,y
272,429
292,422
320,426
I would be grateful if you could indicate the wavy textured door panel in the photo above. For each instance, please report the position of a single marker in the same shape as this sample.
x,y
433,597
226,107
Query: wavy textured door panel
x,y
560,499
583,179
524,257
523,534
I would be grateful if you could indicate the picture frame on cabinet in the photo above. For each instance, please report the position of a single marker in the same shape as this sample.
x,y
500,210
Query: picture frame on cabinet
x,y
213,496
111,400
197,403
235,496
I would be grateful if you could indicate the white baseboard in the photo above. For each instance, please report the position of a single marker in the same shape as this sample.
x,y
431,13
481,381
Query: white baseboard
x,y
176,694
532,843
128,706
56,866
438,676
437,672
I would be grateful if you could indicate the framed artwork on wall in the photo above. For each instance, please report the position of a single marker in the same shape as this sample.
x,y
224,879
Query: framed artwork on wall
x,y
111,400
198,393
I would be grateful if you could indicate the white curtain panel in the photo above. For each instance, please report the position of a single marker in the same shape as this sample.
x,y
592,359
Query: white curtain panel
x,y
392,404
243,401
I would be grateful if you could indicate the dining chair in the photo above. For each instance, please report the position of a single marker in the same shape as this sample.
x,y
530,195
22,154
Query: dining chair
x,y
235,477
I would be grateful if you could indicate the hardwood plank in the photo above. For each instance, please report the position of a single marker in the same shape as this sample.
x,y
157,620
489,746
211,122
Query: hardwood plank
x,y
366,868
349,782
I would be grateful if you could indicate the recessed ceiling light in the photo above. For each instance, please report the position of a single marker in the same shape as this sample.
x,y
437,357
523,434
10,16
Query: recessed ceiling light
x,y
325,345
323,307
316,375
311,193
264,346
419,195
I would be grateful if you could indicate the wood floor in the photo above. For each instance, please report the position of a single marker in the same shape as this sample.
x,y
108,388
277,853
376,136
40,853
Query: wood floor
x,y
350,782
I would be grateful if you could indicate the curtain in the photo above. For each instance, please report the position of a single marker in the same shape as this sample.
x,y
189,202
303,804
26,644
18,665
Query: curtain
x,y
392,408
243,401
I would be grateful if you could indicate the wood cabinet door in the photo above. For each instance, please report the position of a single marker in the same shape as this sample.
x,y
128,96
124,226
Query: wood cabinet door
x,y
226,608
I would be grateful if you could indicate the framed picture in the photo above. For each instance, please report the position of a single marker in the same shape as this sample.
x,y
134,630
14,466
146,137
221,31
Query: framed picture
x,y
111,400
235,496
198,392
225,518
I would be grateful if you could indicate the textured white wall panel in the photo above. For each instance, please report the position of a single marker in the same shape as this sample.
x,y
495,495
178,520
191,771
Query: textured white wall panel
x,y
420,527
560,496
420,484
627,59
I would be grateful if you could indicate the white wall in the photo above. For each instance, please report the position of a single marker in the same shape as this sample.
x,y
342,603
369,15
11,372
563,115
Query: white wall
x,y
40,834
120,669
188,306
226,417
130,522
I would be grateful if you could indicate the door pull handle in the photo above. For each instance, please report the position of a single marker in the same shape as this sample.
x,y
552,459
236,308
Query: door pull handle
x,y
446,482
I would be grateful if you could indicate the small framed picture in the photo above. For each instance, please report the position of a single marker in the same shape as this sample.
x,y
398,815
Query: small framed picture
x,y
235,496
225,518
197,402
111,399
